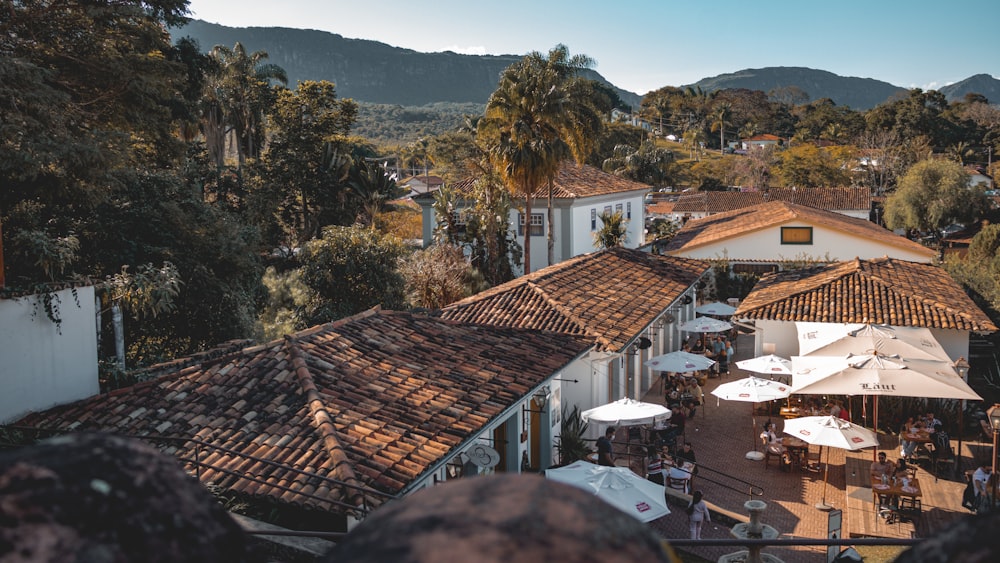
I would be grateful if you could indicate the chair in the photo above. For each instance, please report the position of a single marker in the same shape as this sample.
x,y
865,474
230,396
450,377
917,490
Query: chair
x,y
767,452
678,484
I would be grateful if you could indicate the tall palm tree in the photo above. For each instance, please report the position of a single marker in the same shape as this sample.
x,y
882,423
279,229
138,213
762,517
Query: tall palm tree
x,y
720,118
537,118
241,91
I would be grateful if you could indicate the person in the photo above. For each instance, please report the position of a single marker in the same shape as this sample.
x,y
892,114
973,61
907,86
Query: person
x,y
686,453
833,408
654,465
725,356
771,441
969,494
882,467
604,448
842,412
906,447
981,480
698,514
942,443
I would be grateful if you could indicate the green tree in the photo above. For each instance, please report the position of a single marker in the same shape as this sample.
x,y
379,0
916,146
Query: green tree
x,y
932,195
648,164
242,89
351,269
613,231
808,166
436,276
372,188
721,115
308,163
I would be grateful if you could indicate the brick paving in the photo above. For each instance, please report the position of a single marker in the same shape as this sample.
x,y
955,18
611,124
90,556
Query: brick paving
x,y
722,433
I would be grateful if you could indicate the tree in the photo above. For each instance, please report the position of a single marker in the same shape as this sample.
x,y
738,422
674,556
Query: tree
x,y
308,163
648,164
536,118
372,187
932,195
349,270
242,89
720,118
808,166
613,231
436,276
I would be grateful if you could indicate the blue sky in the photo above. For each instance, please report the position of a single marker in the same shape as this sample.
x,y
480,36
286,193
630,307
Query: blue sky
x,y
644,45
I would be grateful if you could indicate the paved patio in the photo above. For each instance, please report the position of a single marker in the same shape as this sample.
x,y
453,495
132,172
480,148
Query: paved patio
x,y
722,433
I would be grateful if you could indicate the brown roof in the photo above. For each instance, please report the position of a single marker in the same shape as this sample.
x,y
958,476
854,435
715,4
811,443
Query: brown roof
x,y
572,182
373,400
858,199
608,296
722,226
881,291
660,208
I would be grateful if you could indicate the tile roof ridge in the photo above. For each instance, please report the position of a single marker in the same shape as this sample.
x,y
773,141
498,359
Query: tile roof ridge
x,y
568,313
893,263
323,420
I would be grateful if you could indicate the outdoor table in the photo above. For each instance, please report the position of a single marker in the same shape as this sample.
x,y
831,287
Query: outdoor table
x,y
790,412
797,449
682,473
918,436
897,489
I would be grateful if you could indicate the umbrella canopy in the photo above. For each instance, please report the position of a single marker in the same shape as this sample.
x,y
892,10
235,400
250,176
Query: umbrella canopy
x,y
617,486
626,412
831,431
880,375
704,324
752,390
836,339
769,364
717,308
680,361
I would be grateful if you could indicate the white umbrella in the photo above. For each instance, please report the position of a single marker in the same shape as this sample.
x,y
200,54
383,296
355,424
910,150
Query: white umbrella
x,y
836,339
680,362
877,374
717,308
752,390
832,432
704,324
626,412
769,365
617,486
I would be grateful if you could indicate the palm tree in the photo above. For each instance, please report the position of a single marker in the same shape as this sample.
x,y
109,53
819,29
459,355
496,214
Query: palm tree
x,y
613,231
720,118
239,95
537,118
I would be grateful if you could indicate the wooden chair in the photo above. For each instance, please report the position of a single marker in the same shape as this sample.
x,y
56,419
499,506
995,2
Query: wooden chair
x,y
767,452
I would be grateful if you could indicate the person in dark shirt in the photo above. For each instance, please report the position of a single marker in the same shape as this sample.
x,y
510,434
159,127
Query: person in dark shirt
x,y
604,448
686,452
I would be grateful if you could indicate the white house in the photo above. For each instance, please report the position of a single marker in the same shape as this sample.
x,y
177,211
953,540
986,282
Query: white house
x,y
47,360
581,195
850,201
766,235
879,291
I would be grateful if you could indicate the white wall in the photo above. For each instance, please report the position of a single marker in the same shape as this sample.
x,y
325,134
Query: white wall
x,y
765,244
41,364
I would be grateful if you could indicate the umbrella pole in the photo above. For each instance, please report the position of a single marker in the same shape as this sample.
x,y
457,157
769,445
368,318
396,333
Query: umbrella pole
x,y
875,428
826,471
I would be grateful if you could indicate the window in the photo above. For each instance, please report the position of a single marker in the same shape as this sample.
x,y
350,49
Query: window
x,y
796,235
628,210
537,224
607,211
460,220
593,219
618,208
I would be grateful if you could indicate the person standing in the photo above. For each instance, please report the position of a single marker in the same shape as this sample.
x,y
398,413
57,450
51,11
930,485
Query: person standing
x,y
981,482
697,514
604,448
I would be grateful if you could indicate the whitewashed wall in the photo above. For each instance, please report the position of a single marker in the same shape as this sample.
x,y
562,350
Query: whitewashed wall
x,y
42,365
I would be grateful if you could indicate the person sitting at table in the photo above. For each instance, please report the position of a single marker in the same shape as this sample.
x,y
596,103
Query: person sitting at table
x,y
654,465
604,448
942,444
882,467
686,453
698,347
771,441
906,447
697,395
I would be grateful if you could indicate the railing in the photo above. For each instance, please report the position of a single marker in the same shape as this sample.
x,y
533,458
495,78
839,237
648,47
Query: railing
x,y
196,464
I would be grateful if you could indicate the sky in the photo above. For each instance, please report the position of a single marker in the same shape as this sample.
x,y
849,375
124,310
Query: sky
x,y
643,45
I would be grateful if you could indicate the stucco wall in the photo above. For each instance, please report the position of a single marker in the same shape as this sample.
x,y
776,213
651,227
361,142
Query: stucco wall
x,y
42,364
765,244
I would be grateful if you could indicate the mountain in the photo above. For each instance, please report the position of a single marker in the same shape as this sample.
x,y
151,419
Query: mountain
x,y
980,84
370,71
856,93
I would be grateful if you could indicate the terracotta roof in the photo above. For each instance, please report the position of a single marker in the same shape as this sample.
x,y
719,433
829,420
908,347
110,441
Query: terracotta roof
x,y
722,226
608,296
764,137
572,182
882,291
844,198
660,208
374,400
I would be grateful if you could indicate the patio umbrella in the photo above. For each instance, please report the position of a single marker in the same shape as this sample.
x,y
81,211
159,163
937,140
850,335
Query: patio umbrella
x,y
680,362
704,324
832,432
718,309
617,486
752,390
836,339
626,412
769,365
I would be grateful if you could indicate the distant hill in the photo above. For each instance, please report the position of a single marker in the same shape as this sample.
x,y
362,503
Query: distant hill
x,y
856,93
370,71
980,84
